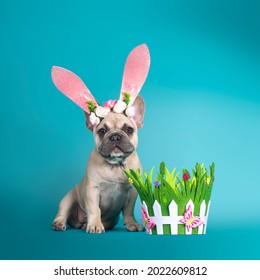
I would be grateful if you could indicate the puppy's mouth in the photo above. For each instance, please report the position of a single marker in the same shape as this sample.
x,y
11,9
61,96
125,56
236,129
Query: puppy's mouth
x,y
117,156
116,153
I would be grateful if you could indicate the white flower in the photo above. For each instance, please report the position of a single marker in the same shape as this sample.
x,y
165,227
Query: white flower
x,y
130,111
119,107
94,120
102,111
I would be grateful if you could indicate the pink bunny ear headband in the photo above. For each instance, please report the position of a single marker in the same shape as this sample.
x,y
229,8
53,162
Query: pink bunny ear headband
x,y
135,72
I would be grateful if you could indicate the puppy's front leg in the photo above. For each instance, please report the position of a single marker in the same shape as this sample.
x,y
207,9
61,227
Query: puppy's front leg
x,y
65,205
94,224
128,212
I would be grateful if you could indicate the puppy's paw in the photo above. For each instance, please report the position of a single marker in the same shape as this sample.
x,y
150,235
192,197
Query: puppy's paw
x,y
95,228
59,224
133,226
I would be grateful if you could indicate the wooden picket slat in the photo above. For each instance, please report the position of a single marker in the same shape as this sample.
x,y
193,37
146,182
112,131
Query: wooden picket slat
x,y
202,215
158,215
173,210
206,219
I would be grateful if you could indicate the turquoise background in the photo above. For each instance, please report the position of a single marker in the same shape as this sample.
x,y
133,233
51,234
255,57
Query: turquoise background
x,y
203,104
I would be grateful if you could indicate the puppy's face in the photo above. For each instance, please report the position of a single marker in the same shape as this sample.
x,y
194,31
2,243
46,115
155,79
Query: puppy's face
x,y
116,136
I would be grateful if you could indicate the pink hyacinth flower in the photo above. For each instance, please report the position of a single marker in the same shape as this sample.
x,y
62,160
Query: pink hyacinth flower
x,y
110,104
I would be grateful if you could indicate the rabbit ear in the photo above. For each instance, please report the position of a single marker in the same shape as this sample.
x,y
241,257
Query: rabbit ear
x,y
135,72
72,86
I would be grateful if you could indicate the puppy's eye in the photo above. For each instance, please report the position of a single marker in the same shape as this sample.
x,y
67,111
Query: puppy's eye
x,y
129,130
102,131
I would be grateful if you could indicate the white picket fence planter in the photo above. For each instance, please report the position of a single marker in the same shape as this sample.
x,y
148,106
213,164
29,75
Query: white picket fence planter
x,y
173,219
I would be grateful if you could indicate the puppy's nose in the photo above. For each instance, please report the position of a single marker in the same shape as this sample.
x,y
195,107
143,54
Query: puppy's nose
x,y
115,137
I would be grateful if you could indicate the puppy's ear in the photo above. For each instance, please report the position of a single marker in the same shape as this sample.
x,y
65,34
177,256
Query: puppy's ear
x,y
139,107
88,122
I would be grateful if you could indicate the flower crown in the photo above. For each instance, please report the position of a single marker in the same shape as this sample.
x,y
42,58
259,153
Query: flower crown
x,y
135,73
98,113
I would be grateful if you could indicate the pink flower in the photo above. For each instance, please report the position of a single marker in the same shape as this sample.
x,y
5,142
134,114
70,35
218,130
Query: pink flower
x,y
119,107
102,111
130,112
94,120
186,176
110,103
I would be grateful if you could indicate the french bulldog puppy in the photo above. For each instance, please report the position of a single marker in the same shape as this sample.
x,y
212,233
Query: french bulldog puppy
x,y
104,192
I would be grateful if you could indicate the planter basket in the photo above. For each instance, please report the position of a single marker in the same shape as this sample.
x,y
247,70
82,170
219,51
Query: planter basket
x,y
174,205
